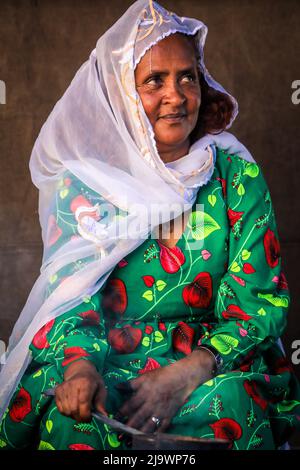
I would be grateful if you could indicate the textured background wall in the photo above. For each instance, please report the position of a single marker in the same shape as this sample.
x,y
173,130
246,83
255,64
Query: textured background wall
x,y
252,49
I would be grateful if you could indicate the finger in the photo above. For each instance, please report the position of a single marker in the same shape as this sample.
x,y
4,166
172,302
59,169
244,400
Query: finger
x,y
71,393
59,404
74,402
139,419
85,401
62,397
149,426
100,399
126,386
164,425
132,405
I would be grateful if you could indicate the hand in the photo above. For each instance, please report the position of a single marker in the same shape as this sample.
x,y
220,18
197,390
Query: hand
x,y
161,392
83,388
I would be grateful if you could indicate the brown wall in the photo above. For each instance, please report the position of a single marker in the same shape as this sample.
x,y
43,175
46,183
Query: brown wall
x,y
252,49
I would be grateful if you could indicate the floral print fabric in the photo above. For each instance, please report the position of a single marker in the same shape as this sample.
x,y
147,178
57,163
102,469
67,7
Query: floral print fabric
x,y
221,285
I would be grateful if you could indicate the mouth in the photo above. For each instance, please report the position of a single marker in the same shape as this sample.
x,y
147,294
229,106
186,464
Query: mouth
x,y
174,117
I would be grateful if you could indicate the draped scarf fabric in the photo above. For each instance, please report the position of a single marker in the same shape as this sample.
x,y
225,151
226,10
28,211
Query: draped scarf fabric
x,y
99,134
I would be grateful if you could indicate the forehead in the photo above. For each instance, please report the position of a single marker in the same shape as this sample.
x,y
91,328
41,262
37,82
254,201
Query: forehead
x,y
176,48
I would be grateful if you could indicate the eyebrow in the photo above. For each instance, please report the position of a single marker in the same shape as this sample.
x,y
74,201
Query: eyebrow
x,y
166,72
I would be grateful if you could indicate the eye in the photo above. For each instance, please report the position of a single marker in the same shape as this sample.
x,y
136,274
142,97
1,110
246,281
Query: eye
x,y
189,78
154,80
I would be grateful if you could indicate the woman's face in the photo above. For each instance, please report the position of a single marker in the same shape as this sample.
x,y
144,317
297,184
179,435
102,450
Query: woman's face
x,y
167,81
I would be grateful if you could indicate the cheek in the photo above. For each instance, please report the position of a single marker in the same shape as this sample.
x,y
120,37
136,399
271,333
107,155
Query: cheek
x,y
194,102
151,106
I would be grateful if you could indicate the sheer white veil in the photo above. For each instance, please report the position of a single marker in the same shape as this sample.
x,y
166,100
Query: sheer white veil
x,y
99,133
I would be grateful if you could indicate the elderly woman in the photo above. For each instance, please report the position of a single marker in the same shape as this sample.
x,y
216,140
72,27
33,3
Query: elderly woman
x,y
168,330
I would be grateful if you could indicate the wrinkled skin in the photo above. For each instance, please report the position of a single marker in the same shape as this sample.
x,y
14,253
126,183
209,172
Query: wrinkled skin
x,y
160,392
167,80
82,389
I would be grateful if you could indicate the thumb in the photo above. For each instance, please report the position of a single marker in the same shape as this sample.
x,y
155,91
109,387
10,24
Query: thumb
x,y
100,399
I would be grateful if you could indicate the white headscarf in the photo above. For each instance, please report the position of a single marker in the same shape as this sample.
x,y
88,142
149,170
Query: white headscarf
x,y
99,132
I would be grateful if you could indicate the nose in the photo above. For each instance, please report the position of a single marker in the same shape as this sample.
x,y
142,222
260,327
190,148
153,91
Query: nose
x,y
174,94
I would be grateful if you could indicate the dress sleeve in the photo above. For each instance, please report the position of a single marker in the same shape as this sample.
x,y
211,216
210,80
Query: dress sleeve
x,y
78,334
253,298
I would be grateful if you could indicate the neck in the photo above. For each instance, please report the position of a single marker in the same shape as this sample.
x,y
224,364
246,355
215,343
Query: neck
x,y
171,154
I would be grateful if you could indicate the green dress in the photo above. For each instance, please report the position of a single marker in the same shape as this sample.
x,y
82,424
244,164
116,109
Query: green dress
x,y
221,285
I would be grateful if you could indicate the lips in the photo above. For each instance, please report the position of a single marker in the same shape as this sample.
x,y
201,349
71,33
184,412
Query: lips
x,y
173,117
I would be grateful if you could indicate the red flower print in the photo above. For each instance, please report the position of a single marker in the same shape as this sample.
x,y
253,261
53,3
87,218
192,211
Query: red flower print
x,y
162,326
125,339
182,338
247,366
282,365
40,338
198,293
171,258
21,406
282,282
122,263
67,181
73,353
90,317
79,201
248,268
151,364
233,311
54,232
80,447
227,428
148,280
233,216
148,329
247,361
272,248
114,297
253,391
239,280
223,183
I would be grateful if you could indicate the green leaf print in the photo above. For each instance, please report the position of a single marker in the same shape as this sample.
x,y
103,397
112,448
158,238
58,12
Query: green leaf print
x,y
2,443
256,441
49,425
212,199
113,440
235,267
148,295
45,446
224,343
279,301
53,278
158,337
146,341
201,225
251,170
246,255
261,312
63,193
287,405
160,284
241,190
96,346
37,374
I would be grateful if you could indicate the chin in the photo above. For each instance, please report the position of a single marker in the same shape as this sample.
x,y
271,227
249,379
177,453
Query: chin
x,y
173,141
